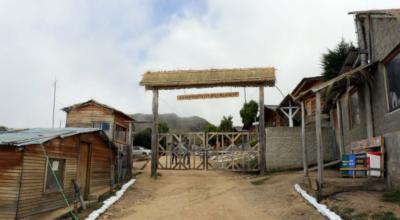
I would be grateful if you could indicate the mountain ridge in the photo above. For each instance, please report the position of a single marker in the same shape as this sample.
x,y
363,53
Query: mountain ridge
x,y
175,122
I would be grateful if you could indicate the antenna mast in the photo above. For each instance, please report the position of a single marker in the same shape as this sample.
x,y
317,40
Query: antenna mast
x,y
54,101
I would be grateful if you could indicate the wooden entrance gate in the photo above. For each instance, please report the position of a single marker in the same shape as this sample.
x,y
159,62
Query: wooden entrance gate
x,y
235,151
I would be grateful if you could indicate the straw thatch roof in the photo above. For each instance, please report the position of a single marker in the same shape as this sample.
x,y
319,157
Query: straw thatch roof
x,y
181,79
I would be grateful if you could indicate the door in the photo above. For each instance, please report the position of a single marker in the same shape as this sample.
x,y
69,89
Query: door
x,y
83,170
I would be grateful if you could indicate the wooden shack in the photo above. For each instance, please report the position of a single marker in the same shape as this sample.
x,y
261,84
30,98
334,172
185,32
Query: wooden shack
x,y
303,92
92,114
273,118
33,160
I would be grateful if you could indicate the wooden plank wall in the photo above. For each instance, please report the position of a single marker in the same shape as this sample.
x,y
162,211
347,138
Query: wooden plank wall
x,y
123,122
312,101
100,165
10,173
22,174
33,199
85,116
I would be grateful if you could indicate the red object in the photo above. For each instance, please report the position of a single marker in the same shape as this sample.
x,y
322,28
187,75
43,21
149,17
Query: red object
x,y
375,153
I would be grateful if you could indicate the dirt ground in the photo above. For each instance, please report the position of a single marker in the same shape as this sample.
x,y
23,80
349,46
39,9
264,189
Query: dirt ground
x,y
212,195
361,204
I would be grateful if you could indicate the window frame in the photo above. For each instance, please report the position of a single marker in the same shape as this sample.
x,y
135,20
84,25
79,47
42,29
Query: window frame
x,y
45,190
115,134
99,125
385,63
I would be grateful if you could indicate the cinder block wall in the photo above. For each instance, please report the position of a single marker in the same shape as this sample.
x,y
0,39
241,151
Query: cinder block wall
x,y
284,150
392,143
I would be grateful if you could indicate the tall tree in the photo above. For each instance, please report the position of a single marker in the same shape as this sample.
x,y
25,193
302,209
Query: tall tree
x,y
249,113
333,60
226,124
210,128
163,127
143,138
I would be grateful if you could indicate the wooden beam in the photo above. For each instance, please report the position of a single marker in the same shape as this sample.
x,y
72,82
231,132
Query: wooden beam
x,y
303,139
129,150
320,152
154,136
263,148
368,110
340,127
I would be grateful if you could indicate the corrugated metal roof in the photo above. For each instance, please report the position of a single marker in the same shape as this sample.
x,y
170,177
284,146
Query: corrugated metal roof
x,y
39,135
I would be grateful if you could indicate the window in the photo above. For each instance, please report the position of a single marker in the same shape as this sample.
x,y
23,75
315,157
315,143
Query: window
x,y
393,82
105,126
354,109
120,133
57,166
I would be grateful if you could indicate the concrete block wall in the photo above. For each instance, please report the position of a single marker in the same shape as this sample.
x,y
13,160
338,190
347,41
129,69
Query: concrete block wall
x,y
284,149
392,143
385,36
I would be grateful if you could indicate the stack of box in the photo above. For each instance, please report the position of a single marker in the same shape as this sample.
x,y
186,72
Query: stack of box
x,y
361,162
348,161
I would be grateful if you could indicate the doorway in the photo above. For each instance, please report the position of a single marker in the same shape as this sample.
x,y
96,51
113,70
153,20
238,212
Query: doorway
x,y
83,170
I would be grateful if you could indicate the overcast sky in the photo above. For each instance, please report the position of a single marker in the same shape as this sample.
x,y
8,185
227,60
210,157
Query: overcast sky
x,y
100,49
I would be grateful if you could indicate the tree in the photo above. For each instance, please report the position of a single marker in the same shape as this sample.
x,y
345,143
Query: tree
x,y
163,127
226,124
143,138
333,60
210,128
249,113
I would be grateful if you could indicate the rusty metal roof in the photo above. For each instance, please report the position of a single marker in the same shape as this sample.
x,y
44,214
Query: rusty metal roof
x,y
40,135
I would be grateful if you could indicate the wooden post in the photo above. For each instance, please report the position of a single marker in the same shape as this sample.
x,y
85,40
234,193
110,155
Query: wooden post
x,y
303,139
368,110
129,150
154,136
340,127
320,153
261,132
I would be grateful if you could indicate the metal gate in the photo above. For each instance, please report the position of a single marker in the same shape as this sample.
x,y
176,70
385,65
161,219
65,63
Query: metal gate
x,y
235,151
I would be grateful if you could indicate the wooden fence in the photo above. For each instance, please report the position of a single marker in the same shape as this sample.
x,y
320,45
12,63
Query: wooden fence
x,y
235,151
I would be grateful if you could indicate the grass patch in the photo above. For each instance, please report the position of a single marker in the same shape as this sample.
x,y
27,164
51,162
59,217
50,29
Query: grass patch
x,y
384,216
392,196
349,213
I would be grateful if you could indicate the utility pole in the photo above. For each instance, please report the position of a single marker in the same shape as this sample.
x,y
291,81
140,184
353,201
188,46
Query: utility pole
x,y
54,101
245,98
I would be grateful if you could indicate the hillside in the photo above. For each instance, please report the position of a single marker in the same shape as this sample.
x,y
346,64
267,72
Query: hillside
x,y
175,123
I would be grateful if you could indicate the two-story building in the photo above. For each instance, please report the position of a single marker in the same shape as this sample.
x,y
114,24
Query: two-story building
x,y
117,125
92,114
366,97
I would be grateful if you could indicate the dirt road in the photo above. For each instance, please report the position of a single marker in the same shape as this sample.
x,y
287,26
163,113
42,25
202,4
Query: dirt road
x,y
211,195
